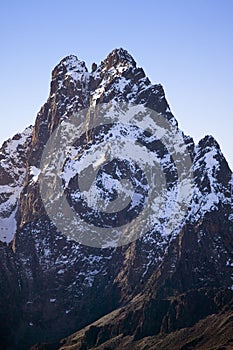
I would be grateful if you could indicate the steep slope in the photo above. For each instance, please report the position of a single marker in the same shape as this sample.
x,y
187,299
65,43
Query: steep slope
x,y
58,285
13,158
194,279
213,332
56,279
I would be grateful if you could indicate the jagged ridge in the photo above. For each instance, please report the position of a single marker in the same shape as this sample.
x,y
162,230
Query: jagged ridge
x,y
59,286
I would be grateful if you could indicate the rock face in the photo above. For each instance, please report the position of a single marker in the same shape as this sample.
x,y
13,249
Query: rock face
x,y
52,286
13,168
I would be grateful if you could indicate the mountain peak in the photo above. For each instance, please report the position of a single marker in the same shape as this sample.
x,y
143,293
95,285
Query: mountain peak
x,y
208,141
182,259
68,66
72,63
119,56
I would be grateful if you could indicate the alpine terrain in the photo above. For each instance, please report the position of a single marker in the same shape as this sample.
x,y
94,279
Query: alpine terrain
x,y
169,285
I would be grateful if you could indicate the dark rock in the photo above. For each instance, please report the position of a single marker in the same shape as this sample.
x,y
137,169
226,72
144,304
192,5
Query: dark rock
x,y
52,286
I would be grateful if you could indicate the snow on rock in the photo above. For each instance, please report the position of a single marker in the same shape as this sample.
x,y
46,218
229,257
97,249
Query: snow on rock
x,y
212,177
13,156
69,273
8,227
35,172
70,66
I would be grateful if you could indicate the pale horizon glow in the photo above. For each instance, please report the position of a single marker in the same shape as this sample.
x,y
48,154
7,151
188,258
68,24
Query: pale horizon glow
x,y
184,45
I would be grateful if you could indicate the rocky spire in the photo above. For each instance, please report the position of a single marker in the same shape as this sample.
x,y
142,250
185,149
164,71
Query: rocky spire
x,y
60,285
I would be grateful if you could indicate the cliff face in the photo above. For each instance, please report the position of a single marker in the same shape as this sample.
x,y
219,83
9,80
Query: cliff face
x,y
52,285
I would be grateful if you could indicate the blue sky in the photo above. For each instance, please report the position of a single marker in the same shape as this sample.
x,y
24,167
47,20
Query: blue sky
x,y
186,45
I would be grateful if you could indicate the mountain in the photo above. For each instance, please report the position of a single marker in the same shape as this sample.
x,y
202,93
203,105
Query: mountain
x,y
165,288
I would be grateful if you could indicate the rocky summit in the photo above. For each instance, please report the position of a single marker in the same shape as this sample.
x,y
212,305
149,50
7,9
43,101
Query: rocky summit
x,y
168,288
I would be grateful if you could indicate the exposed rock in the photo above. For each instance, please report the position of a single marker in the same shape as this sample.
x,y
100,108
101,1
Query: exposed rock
x,y
52,286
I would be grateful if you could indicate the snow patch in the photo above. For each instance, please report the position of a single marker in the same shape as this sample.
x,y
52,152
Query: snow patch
x,y
8,227
35,172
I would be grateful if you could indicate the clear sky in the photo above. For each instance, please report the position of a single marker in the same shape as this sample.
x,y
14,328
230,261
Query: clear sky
x,y
186,45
